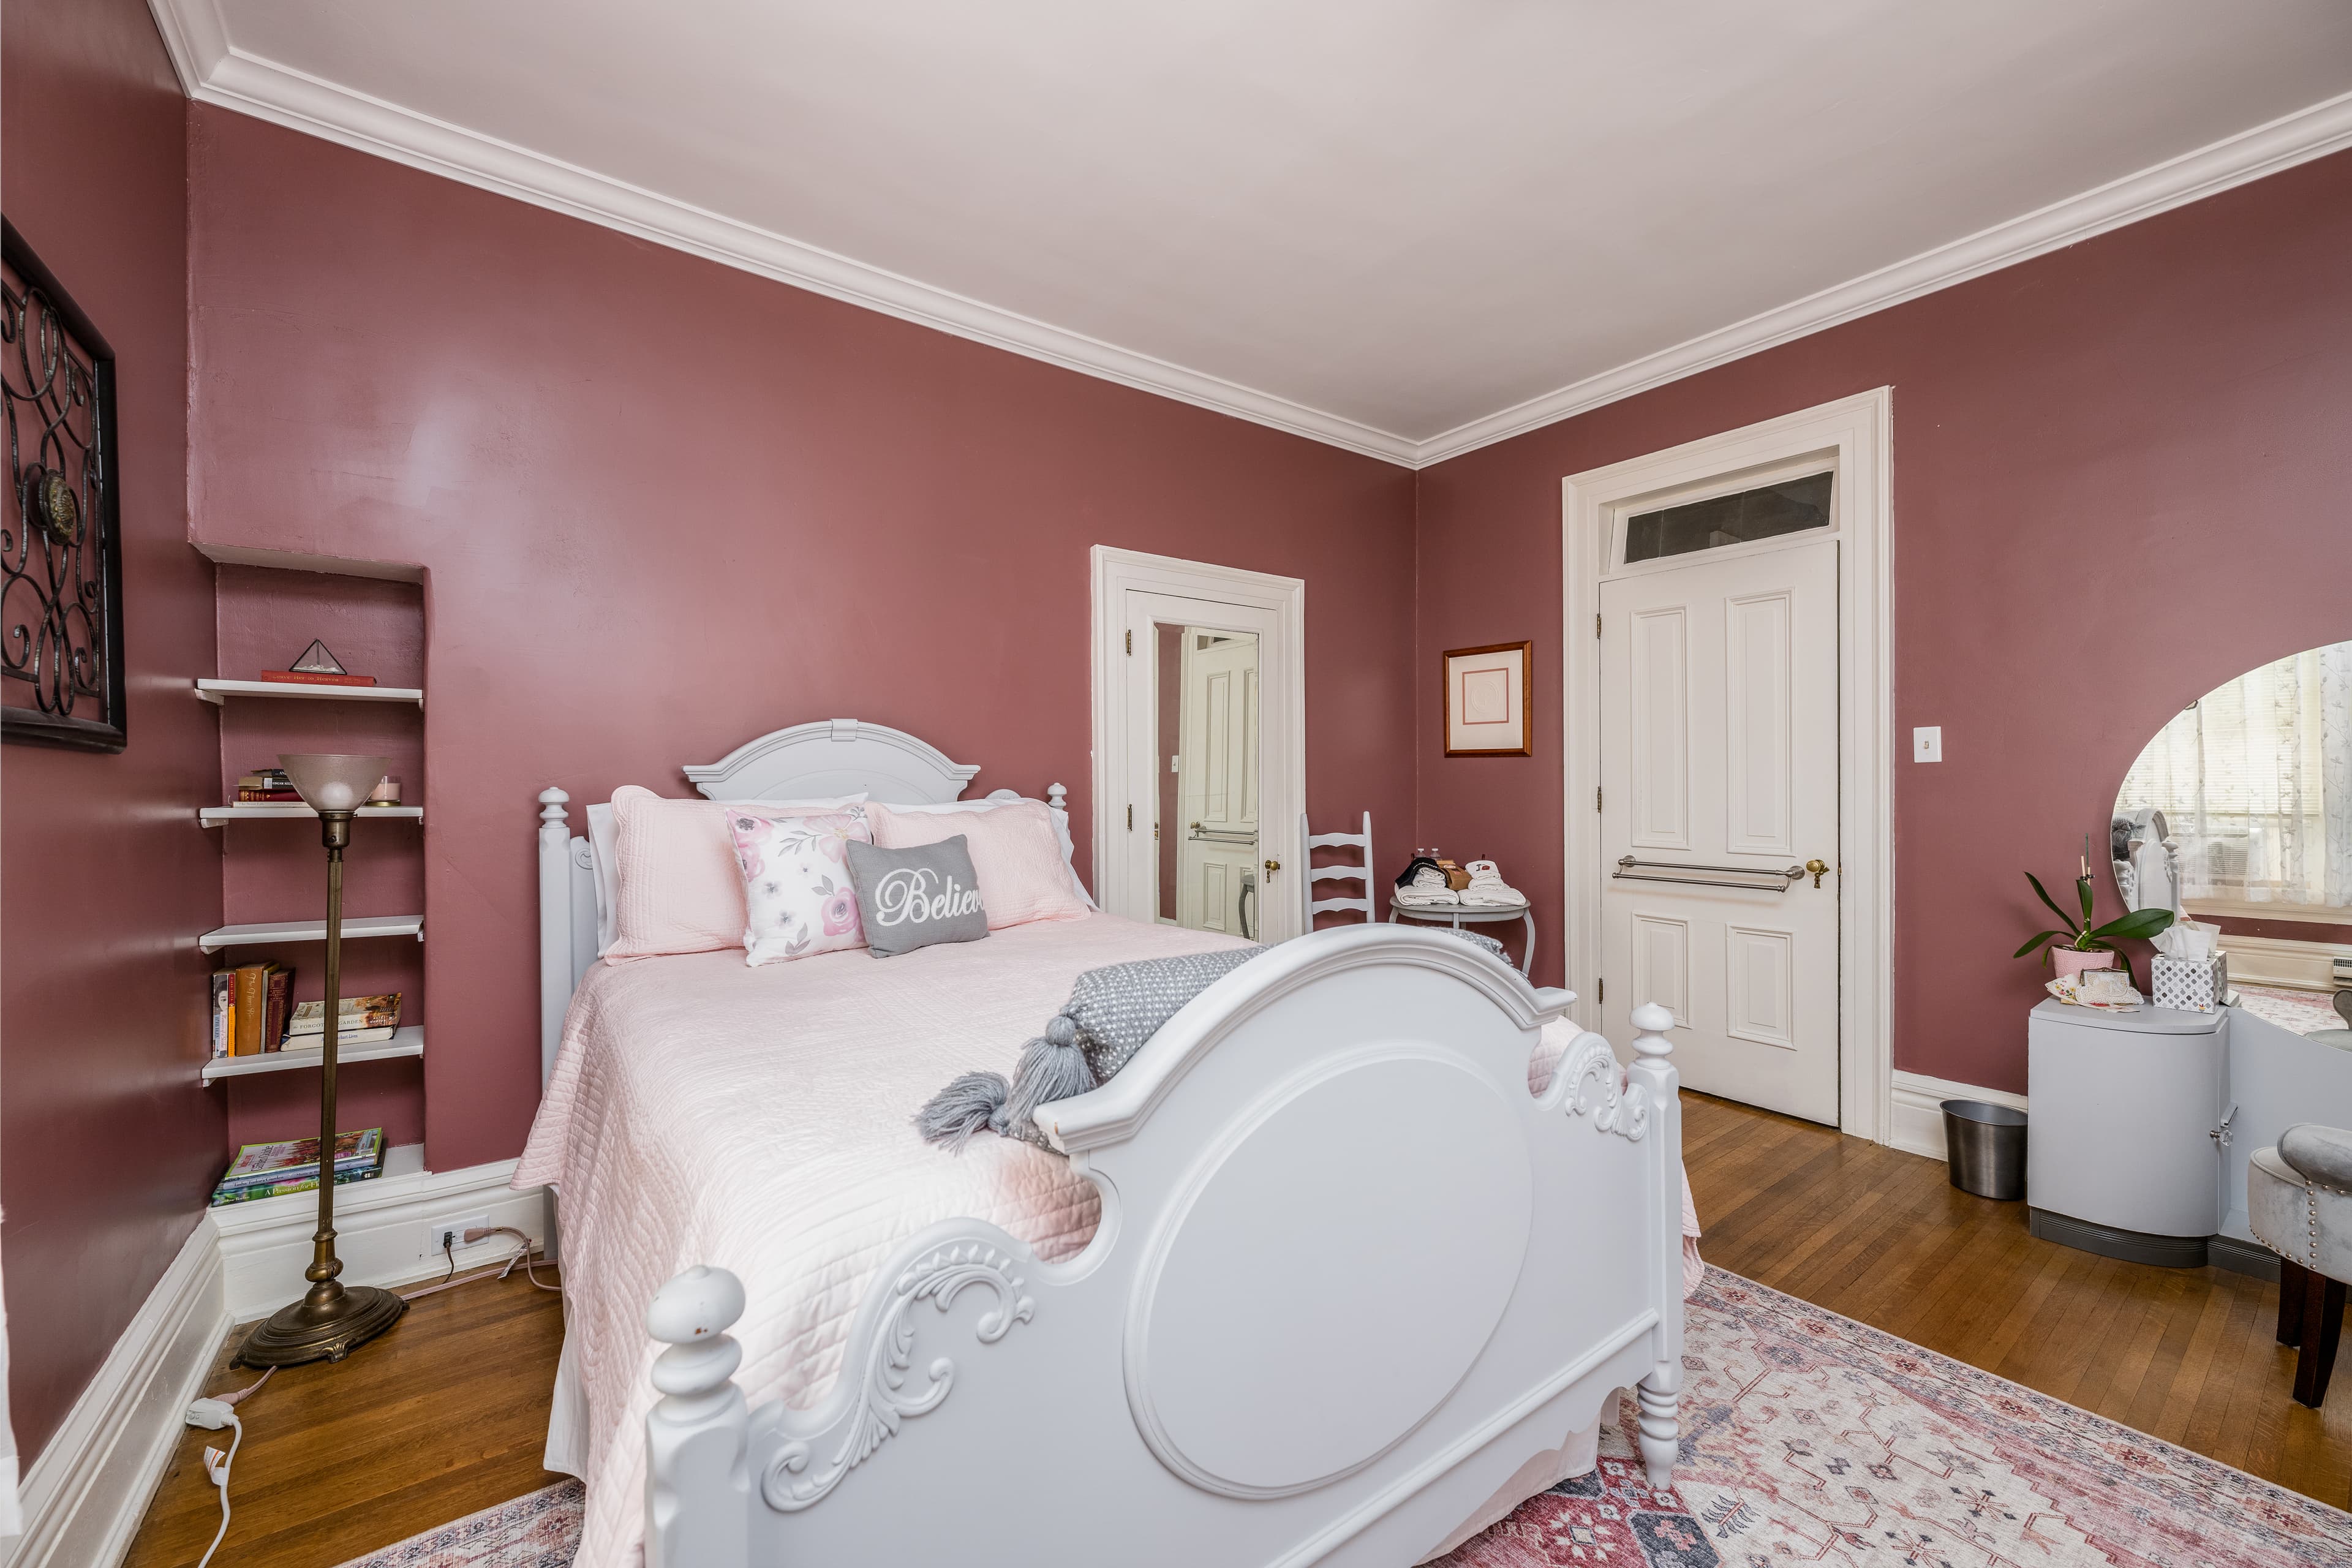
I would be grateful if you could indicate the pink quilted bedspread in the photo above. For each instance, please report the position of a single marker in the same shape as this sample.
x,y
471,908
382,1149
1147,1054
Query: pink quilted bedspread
x,y
704,1111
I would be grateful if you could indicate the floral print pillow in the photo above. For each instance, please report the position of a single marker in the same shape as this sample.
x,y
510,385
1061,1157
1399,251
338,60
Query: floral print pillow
x,y
796,889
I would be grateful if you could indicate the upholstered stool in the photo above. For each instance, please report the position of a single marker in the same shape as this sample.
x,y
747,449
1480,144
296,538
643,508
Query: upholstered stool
x,y
2299,1205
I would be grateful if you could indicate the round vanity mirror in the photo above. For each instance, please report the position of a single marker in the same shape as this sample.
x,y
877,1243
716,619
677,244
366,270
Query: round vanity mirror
x,y
2238,815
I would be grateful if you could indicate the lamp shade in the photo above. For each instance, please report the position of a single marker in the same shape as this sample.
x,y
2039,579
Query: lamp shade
x,y
328,781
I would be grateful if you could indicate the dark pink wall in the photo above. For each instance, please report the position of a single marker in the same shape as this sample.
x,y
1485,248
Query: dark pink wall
x,y
665,507
109,1147
2161,412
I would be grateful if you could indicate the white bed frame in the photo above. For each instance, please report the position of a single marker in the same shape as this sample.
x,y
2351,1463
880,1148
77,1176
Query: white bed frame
x,y
1351,1278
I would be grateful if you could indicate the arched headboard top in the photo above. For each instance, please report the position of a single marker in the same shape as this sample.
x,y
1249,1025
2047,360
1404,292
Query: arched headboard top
x,y
835,756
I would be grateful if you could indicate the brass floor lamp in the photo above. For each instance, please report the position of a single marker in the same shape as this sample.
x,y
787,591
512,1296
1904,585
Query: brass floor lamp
x,y
332,1318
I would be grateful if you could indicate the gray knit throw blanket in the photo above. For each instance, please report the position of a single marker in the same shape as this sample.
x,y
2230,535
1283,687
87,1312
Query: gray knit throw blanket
x,y
1111,1012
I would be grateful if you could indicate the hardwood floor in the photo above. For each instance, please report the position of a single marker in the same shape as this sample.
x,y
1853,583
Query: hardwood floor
x,y
444,1416
447,1412
2185,1355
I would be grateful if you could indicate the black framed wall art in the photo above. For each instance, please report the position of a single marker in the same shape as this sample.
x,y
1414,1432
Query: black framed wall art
x,y
61,676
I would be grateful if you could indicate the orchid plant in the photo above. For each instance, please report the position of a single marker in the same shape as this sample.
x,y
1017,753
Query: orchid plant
x,y
2083,936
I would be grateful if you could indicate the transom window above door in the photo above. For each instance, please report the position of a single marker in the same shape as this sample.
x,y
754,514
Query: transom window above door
x,y
1795,505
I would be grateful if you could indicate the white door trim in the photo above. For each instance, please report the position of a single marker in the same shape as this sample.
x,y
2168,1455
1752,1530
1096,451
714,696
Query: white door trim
x,y
1859,431
1282,715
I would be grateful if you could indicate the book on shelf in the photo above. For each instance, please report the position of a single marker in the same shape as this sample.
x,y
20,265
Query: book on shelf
x,y
316,677
374,1034
224,1012
262,1006
378,1012
266,783
271,1170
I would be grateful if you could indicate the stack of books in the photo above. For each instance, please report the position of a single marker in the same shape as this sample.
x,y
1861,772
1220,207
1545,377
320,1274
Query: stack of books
x,y
358,1021
273,1169
250,1007
266,783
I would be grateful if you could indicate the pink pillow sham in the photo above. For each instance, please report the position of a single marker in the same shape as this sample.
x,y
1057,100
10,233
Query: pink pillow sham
x,y
676,888
1014,852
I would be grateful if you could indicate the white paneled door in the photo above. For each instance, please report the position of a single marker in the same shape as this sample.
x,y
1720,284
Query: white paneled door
x,y
1216,787
1719,777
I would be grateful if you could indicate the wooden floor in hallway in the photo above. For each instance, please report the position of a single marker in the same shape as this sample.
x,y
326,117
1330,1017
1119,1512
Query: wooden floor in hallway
x,y
446,1415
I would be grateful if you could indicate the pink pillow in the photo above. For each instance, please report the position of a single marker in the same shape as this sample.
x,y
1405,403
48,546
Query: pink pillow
x,y
1014,852
676,887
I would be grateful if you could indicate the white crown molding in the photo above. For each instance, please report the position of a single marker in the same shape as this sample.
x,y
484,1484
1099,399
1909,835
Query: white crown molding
x,y
212,70
2296,138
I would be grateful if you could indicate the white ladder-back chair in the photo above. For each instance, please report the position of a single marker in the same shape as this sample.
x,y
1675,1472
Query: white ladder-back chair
x,y
1311,842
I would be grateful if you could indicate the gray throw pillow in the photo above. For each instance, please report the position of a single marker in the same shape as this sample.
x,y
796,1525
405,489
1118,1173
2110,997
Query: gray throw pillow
x,y
908,899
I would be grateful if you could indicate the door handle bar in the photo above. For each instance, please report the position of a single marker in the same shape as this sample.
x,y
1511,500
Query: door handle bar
x,y
1766,882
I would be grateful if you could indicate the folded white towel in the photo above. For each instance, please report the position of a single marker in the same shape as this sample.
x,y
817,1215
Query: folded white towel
x,y
1487,888
1428,891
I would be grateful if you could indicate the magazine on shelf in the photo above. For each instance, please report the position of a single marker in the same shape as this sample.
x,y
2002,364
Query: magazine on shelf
x,y
284,1166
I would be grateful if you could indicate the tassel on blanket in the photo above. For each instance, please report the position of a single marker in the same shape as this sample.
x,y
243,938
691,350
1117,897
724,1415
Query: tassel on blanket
x,y
971,1102
1052,1067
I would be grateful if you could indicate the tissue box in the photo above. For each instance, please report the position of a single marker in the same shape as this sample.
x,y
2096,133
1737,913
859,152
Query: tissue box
x,y
2189,985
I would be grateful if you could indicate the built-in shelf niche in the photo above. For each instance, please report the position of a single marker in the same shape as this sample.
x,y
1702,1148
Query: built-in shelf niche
x,y
269,606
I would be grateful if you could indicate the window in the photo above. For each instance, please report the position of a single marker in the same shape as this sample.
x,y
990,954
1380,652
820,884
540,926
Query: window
x,y
1768,512
2254,780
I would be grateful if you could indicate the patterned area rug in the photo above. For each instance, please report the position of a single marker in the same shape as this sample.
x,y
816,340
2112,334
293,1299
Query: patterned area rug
x,y
1806,1438
2304,1012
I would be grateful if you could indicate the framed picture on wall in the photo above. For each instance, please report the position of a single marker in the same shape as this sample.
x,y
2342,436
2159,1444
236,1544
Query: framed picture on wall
x,y
1490,700
61,675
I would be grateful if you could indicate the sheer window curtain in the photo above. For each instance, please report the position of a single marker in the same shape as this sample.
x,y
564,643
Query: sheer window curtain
x,y
2255,782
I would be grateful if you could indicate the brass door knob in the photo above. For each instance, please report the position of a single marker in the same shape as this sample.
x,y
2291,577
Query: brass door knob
x,y
1819,869
1271,867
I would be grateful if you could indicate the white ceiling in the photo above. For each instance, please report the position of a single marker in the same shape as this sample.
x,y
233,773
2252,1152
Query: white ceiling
x,y
1406,228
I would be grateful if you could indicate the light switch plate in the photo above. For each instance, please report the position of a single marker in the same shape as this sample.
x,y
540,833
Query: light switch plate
x,y
1927,745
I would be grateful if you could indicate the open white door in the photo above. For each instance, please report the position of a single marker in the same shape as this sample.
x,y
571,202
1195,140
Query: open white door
x,y
1224,835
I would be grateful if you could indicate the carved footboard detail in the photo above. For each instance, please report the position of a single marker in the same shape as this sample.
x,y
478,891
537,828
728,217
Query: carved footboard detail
x,y
1330,1161
939,1276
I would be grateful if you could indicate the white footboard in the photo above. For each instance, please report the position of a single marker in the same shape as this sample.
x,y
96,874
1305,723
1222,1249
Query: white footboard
x,y
1350,1275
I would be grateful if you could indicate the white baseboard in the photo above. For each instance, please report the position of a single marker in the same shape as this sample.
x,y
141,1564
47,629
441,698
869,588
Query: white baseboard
x,y
1918,1111
380,1229
2279,961
85,1495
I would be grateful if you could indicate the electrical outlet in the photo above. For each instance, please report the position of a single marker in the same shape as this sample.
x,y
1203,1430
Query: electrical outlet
x,y
454,1228
1927,745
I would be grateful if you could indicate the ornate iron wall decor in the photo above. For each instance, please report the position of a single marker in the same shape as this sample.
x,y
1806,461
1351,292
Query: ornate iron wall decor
x,y
61,680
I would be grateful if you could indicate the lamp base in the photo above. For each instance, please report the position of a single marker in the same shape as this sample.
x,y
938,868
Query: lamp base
x,y
330,1331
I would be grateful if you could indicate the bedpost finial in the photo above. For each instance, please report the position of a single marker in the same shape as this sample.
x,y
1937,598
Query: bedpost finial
x,y
691,1314
1652,1021
1057,797
551,804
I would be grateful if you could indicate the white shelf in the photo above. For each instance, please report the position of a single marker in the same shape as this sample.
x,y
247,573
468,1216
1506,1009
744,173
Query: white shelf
x,y
355,926
408,1041
264,810
218,692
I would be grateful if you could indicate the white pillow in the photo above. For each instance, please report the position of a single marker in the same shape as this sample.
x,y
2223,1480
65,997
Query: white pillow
x,y
1061,832
604,851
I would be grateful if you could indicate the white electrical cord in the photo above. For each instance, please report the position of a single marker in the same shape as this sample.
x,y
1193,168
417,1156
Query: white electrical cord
x,y
212,1414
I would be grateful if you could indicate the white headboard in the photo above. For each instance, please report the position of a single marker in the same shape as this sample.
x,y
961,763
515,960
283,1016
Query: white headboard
x,y
830,756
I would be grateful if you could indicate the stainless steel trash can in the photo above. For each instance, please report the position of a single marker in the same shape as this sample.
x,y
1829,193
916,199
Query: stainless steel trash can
x,y
1986,1145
